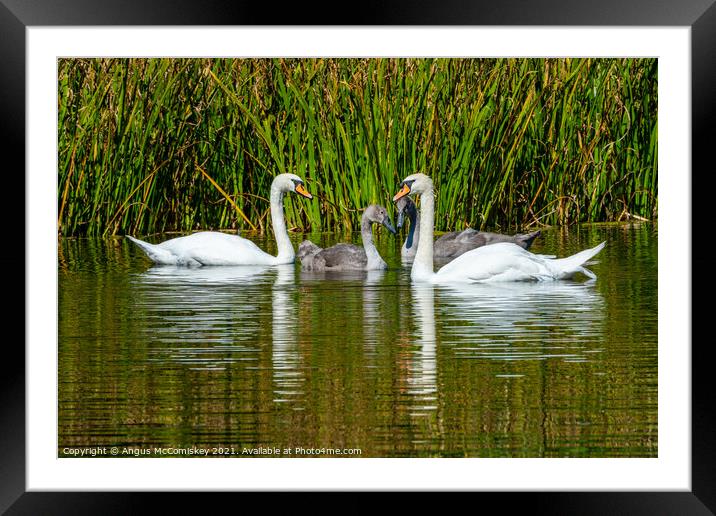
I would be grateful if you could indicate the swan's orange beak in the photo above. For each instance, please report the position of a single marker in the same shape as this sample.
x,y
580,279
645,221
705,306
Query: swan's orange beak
x,y
301,190
402,193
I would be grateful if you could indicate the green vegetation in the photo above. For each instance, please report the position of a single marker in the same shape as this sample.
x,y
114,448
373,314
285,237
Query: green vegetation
x,y
153,145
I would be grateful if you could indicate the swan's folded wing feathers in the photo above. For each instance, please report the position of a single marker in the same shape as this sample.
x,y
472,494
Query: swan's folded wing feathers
x,y
344,255
469,235
458,243
509,274
497,262
236,248
306,249
451,235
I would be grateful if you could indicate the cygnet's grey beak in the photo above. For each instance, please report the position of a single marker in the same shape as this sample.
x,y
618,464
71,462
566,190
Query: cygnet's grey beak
x,y
387,223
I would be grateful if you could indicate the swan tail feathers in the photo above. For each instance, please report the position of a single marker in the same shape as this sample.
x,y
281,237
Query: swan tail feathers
x,y
154,252
587,273
572,264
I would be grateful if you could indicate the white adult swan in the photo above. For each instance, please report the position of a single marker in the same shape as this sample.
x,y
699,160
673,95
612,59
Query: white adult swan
x,y
215,248
455,243
496,262
349,257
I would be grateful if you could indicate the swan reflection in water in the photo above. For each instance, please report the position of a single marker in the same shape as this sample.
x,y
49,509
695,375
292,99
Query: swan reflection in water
x,y
374,295
287,367
177,275
508,321
523,320
422,372
206,317
373,316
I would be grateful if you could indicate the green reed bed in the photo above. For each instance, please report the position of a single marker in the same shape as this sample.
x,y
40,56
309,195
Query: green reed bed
x,y
153,145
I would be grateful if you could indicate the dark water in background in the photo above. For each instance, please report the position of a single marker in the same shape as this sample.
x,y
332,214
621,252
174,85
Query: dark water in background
x,y
248,357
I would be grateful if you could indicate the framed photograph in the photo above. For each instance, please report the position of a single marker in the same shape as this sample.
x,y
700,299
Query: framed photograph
x,y
641,438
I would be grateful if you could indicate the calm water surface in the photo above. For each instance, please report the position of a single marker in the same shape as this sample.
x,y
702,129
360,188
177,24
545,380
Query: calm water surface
x,y
273,357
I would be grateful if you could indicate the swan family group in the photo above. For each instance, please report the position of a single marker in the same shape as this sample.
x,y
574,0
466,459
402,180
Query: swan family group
x,y
474,256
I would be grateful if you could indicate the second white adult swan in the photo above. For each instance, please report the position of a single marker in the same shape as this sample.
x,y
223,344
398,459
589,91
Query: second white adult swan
x,y
496,262
215,248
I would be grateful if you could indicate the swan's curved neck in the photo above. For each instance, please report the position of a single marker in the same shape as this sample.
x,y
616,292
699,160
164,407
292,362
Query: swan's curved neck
x,y
423,263
286,253
374,259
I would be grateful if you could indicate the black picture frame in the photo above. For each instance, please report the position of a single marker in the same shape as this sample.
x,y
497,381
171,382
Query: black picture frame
x,y
700,15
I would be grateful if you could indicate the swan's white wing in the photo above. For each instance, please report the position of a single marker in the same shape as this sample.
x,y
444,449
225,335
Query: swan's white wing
x,y
496,262
509,262
214,248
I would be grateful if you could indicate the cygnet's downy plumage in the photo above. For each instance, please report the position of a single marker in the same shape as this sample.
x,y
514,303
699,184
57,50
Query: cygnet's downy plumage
x,y
348,257
455,243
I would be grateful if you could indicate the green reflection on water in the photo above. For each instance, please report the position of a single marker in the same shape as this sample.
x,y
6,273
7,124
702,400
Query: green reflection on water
x,y
282,358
